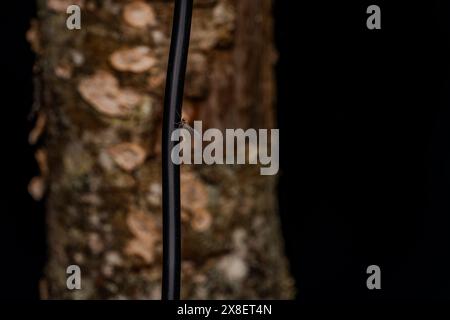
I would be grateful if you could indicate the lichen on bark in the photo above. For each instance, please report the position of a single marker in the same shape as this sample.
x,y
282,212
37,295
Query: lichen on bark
x,y
102,97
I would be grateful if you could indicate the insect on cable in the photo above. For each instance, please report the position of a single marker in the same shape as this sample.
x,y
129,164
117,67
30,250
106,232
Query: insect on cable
x,y
171,172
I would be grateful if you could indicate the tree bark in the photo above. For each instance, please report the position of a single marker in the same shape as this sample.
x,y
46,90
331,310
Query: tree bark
x,y
100,94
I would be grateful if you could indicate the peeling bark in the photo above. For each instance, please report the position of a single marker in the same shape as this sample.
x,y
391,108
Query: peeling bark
x,y
101,90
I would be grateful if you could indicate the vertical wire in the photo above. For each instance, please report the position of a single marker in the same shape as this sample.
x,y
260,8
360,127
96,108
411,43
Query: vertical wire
x,y
171,172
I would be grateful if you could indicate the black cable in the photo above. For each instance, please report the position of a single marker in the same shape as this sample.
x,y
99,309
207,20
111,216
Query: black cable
x,y
170,172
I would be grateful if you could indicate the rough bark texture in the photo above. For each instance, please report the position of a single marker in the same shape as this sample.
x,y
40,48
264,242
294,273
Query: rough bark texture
x,y
101,94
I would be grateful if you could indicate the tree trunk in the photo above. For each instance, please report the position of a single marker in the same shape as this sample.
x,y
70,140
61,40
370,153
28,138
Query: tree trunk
x,y
101,96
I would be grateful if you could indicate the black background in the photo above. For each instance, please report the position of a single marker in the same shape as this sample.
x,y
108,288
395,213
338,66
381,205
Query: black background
x,y
364,119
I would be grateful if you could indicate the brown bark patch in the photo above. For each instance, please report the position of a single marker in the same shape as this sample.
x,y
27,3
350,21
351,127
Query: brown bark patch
x,y
36,188
146,235
139,14
101,90
127,156
62,5
137,60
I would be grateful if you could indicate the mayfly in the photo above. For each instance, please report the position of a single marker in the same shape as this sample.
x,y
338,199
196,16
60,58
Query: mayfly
x,y
183,124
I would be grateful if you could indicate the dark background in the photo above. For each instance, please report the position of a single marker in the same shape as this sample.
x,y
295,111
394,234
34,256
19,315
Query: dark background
x,y
364,117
